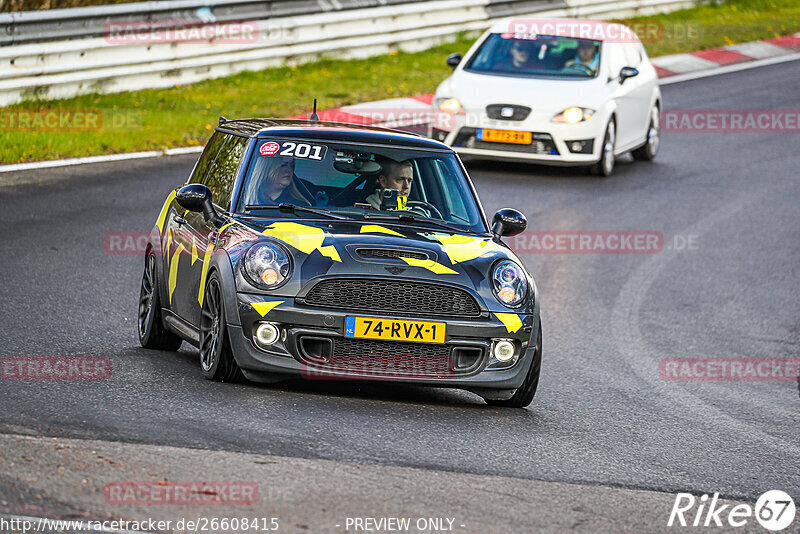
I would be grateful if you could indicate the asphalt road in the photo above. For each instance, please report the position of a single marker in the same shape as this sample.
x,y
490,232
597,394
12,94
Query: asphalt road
x,y
603,415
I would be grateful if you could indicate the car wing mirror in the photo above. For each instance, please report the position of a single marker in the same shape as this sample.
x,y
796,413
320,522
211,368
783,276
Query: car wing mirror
x,y
453,60
627,72
508,222
198,198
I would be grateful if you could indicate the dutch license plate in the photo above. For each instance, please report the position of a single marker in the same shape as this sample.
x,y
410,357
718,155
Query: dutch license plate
x,y
505,136
394,329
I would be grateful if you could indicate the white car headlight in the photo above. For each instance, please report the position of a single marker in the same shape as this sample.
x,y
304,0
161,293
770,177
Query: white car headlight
x,y
509,283
450,105
574,115
267,265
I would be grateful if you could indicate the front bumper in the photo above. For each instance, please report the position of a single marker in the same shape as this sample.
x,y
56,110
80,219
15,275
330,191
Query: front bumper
x,y
464,360
552,144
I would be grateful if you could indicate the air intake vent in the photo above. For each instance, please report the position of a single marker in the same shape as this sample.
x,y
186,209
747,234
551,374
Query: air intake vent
x,y
389,254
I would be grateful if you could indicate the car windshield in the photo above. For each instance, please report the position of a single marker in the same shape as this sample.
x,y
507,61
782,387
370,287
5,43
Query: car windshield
x,y
341,180
540,55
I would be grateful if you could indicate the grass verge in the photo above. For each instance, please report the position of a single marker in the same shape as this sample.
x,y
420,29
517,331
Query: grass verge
x,y
185,116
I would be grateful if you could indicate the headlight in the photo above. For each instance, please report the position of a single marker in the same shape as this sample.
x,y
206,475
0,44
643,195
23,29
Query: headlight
x,y
452,106
509,283
267,265
574,115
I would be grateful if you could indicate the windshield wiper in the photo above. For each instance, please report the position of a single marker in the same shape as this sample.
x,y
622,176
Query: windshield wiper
x,y
292,208
407,217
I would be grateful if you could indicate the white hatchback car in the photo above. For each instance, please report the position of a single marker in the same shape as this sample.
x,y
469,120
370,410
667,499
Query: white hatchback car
x,y
559,92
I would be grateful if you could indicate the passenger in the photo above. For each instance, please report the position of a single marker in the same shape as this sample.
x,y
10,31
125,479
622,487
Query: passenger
x,y
398,175
587,59
522,55
278,183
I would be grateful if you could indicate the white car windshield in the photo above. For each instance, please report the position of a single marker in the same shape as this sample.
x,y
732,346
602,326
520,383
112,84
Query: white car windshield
x,y
541,55
358,181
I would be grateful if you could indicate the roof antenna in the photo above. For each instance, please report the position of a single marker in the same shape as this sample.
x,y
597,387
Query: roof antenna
x,y
314,117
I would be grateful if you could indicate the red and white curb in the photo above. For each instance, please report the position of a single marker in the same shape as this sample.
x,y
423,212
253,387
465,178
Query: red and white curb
x,y
416,111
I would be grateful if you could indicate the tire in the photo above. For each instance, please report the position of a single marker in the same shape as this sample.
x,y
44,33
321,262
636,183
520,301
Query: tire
x,y
152,334
605,166
525,393
216,357
648,151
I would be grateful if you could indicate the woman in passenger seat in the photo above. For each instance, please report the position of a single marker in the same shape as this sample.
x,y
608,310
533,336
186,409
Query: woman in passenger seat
x,y
277,183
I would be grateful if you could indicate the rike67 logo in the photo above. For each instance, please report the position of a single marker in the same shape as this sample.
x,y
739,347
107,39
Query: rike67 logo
x,y
774,510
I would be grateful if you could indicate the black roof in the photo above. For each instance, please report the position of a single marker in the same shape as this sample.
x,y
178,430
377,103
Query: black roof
x,y
331,131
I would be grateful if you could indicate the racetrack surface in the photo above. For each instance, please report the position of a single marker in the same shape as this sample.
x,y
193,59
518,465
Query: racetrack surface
x,y
603,415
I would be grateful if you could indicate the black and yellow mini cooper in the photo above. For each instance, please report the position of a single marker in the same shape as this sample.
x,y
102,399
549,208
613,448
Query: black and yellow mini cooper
x,y
332,251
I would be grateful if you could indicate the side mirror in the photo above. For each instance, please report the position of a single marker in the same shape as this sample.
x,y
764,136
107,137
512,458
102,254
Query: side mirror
x,y
508,222
197,198
453,60
627,72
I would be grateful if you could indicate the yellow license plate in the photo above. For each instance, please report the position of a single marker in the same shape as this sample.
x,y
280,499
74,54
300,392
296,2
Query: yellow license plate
x,y
394,329
505,136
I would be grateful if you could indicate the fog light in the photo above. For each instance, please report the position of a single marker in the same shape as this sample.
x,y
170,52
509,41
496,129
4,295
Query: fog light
x,y
266,334
576,147
504,350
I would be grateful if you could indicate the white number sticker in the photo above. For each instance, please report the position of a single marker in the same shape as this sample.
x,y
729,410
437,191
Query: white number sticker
x,y
303,150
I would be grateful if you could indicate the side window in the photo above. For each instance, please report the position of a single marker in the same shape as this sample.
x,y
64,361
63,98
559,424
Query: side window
x,y
206,158
632,55
221,175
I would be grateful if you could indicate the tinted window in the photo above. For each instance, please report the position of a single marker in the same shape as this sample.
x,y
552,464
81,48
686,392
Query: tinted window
x,y
207,158
223,171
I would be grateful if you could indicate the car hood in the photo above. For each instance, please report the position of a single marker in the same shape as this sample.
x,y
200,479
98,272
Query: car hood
x,y
329,249
476,91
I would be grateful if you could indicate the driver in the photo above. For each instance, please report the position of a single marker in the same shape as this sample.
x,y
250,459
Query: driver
x,y
587,58
398,175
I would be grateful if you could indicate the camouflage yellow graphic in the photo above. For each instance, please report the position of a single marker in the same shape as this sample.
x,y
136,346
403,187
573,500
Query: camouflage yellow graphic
x,y
511,321
461,248
304,238
378,229
431,265
263,308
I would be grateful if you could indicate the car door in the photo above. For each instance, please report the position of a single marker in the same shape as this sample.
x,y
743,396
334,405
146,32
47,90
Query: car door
x,y
178,235
200,236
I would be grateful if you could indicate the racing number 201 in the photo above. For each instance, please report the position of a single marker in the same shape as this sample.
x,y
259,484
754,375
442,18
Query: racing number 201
x,y
303,150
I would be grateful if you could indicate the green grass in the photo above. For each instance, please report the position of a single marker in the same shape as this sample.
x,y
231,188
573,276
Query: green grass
x,y
184,116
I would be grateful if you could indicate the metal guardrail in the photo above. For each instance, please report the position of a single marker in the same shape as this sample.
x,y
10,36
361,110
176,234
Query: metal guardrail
x,y
84,22
318,28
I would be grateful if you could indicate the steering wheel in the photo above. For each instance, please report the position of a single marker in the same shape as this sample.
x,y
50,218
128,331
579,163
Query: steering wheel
x,y
421,204
582,68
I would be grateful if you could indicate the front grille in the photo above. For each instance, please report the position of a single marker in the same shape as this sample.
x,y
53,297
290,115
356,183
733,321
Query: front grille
x,y
542,143
387,296
389,254
390,358
518,113
395,359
